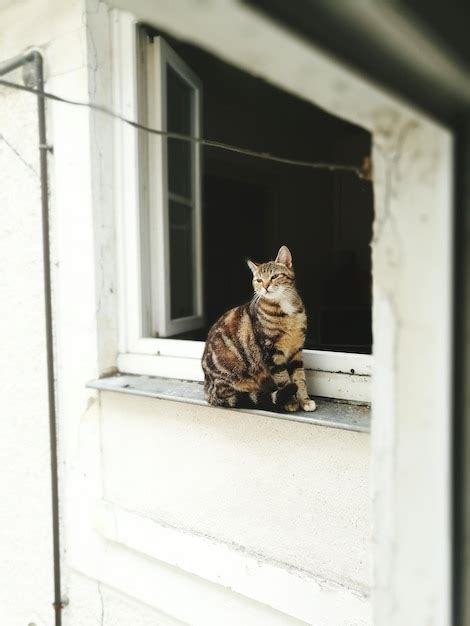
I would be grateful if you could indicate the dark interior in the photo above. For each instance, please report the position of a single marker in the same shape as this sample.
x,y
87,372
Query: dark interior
x,y
251,206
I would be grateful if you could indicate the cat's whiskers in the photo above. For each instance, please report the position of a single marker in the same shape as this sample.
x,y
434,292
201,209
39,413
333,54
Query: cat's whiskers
x,y
254,300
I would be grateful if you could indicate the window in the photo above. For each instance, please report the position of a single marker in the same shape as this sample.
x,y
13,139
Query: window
x,y
174,193
190,216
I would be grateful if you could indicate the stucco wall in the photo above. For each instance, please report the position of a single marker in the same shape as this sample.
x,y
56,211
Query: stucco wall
x,y
25,506
26,576
294,493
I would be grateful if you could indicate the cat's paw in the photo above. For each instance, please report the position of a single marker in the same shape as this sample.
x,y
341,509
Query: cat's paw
x,y
308,405
285,395
292,406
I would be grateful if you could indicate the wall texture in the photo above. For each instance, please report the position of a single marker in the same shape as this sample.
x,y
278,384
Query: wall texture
x,y
295,493
26,591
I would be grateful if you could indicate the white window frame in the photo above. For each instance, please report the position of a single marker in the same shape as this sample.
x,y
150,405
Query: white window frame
x,y
160,56
338,375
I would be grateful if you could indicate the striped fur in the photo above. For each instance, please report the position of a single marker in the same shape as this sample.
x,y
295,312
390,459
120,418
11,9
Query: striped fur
x,y
253,353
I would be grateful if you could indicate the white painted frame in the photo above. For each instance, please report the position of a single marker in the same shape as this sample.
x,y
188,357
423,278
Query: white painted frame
x,y
344,376
160,56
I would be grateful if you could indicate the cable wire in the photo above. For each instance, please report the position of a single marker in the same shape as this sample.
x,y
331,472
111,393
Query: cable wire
x,y
363,171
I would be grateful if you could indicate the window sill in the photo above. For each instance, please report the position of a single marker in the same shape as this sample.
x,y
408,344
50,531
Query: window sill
x,y
329,413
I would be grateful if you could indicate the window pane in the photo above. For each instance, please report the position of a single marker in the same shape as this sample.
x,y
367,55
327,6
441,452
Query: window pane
x,y
179,107
181,260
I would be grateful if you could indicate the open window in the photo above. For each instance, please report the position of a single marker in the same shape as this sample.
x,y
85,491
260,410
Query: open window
x,y
200,212
174,191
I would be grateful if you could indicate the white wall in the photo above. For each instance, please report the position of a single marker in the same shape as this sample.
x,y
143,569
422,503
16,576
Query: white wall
x,y
294,493
26,591
136,541
58,29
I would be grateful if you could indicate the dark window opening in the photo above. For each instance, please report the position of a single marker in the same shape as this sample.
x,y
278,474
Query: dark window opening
x,y
251,207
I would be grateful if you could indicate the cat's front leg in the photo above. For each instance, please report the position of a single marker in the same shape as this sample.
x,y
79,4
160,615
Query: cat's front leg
x,y
295,368
280,374
278,369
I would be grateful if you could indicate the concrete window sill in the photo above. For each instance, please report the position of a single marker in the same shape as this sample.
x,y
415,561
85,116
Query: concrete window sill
x,y
329,413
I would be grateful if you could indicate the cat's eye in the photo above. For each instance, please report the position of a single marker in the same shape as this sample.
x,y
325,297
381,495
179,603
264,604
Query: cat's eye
x,y
274,276
258,280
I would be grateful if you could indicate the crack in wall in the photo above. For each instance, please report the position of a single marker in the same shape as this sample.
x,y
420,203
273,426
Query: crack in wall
x,y
391,145
18,154
393,449
92,51
392,159
100,593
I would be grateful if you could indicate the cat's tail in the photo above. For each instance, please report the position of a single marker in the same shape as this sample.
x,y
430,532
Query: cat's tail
x,y
282,396
269,397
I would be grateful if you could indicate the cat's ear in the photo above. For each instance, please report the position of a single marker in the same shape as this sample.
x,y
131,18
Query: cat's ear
x,y
284,256
253,267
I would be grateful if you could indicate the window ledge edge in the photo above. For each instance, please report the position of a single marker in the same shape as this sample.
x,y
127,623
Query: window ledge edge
x,y
329,413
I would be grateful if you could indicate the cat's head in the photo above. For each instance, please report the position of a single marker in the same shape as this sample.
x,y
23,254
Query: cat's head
x,y
273,279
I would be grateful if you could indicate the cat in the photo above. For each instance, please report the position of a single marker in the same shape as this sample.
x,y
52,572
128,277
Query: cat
x,y
253,353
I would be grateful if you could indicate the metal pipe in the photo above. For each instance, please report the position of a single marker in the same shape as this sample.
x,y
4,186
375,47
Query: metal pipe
x,y
15,62
35,58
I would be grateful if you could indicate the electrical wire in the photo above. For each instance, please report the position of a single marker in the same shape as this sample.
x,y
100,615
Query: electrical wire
x,y
363,171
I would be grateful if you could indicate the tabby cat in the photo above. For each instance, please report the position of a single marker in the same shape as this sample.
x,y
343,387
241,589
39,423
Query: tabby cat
x,y
253,353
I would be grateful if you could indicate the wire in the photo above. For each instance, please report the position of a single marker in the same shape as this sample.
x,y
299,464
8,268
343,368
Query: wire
x,y
361,171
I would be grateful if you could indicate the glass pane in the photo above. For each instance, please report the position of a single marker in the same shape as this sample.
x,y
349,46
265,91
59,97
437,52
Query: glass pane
x,y
181,260
179,111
